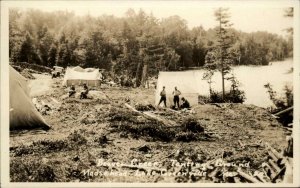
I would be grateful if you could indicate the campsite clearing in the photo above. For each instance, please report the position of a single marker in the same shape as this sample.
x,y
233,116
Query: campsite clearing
x,y
91,137
40,85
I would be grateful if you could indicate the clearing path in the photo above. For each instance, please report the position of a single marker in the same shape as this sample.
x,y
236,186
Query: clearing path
x,y
41,85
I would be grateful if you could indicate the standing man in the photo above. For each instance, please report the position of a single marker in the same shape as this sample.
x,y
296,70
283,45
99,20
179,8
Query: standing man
x,y
163,97
176,94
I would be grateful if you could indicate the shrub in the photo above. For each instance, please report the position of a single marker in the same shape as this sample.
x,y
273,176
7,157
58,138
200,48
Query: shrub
x,y
233,96
149,129
50,146
121,115
77,138
45,173
192,124
186,136
282,102
31,170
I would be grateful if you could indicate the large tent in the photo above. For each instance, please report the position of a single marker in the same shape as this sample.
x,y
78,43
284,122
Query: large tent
x,y
22,113
187,82
78,76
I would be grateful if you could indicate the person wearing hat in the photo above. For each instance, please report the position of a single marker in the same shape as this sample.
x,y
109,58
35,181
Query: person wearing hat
x,y
84,92
72,90
185,103
163,97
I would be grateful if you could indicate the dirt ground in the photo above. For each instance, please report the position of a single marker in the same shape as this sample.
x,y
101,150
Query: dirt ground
x,y
89,137
41,85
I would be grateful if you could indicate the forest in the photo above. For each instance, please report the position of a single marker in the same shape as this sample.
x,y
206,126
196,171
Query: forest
x,y
124,45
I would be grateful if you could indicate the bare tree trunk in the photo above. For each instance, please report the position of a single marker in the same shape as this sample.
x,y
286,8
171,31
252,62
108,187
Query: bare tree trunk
x,y
137,76
222,68
223,87
144,75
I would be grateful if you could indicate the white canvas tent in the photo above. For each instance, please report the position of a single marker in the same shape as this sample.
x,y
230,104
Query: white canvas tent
x,y
78,76
58,68
187,82
22,113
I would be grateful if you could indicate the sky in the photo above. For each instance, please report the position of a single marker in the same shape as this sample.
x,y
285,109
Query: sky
x,y
247,16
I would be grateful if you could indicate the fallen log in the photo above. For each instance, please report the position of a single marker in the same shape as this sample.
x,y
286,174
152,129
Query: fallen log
x,y
247,176
237,179
288,129
240,142
270,171
274,165
266,174
169,109
165,121
132,108
273,156
152,116
283,111
216,104
275,177
278,155
214,172
276,117
260,176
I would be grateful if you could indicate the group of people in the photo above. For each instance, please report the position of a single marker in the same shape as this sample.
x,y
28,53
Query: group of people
x,y
176,99
83,93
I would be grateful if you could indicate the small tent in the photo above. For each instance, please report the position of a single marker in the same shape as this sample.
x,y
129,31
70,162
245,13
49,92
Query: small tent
x,y
187,82
22,113
78,76
58,68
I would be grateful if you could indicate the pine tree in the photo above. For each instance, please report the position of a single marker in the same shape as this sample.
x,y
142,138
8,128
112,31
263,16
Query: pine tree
x,y
26,53
219,58
52,55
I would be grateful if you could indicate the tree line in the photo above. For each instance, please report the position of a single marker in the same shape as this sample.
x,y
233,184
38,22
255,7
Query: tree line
x,y
135,45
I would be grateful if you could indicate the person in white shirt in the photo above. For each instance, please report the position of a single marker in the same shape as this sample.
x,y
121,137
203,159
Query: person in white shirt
x,y
163,97
176,94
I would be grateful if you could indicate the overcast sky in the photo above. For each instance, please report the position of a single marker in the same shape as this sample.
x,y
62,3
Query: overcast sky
x,y
247,16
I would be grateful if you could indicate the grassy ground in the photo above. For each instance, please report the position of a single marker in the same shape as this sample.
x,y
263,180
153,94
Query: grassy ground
x,y
84,132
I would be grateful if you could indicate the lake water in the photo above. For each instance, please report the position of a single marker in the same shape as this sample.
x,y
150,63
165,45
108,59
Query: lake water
x,y
253,79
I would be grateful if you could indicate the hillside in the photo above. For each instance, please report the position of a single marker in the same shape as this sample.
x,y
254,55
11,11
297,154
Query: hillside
x,y
89,137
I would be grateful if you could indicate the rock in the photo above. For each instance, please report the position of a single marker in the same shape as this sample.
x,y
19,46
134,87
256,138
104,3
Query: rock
x,y
179,153
97,95
64,96
88,119
76,158
191,124
102,139
45,160
123,135
144,148
148,155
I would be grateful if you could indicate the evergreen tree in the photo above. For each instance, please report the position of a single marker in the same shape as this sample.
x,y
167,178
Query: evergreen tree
x,y
26,53
52,55
220,58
